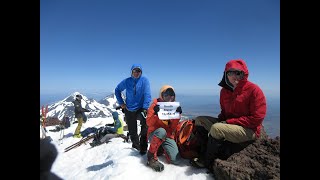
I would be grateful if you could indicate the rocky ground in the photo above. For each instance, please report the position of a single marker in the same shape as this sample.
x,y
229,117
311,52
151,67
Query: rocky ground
x,y
258,160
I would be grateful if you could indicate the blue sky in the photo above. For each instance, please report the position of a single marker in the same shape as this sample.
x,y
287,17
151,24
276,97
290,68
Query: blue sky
x,y
90,46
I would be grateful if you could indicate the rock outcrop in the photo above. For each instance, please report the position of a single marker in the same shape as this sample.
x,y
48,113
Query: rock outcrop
x,y
258,160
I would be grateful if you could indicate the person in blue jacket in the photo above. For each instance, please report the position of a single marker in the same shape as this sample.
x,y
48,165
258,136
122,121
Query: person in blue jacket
x,y
135,105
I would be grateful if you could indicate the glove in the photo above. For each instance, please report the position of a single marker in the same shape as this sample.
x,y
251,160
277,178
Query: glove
x,y
179,110
156,109
118,107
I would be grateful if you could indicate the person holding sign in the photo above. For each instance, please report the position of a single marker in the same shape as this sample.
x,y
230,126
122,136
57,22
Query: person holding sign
x,y
163,117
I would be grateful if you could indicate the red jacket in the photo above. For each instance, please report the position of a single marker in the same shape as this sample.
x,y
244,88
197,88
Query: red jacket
x,y
246,104
154,122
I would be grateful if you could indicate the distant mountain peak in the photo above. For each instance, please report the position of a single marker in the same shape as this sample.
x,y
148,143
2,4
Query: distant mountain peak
x,y
65,107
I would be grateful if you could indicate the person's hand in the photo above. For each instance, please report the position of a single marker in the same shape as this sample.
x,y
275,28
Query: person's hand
x,y
144,113
123,106
179,110
156,109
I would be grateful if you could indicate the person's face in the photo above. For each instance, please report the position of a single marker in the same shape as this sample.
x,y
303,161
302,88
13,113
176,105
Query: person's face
x,y
234,76
136,73
168,96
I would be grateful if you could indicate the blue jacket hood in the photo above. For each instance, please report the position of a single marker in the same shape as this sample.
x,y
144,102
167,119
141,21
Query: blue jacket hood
x,y
136,66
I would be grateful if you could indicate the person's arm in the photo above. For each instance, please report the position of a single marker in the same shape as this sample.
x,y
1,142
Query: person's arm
x,y
120,87
85,110
151,117
147,94
221,116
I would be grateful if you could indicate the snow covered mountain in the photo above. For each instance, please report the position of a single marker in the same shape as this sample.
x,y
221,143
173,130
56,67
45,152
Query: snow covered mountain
x,y
65,107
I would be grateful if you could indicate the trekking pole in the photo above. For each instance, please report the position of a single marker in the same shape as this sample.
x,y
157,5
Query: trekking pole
x,y
61,135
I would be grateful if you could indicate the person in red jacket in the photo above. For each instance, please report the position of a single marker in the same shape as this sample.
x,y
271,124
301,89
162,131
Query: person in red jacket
x,y
243,109
161,132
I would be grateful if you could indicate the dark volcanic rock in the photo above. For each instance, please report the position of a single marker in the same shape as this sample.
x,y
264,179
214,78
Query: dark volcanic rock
x,y
258,160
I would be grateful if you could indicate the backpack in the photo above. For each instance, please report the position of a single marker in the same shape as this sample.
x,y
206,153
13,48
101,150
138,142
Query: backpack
x,y
66,122
88,131
187,139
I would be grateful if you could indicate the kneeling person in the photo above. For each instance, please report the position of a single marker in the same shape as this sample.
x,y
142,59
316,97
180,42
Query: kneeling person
x,y
161,132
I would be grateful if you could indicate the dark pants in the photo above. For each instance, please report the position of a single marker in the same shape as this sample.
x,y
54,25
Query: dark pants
x,y
131,119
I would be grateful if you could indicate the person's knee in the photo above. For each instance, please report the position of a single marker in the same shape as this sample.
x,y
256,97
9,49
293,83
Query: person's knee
x,y
161,133
216,131
198,121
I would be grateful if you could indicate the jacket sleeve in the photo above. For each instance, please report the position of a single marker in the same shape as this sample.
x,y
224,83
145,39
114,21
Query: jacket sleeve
x,y
147,94
221,116
151,118
257,109
120,87
85,110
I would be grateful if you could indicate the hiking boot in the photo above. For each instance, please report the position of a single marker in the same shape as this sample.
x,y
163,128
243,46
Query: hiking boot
x,y
94,143
154,164
77,136
197,162
143,152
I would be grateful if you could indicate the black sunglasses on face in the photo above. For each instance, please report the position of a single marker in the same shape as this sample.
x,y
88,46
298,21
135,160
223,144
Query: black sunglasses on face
x,y
237,73
136,70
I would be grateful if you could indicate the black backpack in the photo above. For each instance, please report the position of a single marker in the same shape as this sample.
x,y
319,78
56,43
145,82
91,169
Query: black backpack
x,y
66,122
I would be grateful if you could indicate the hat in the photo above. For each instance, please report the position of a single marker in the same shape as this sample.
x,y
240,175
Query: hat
x,y
78,96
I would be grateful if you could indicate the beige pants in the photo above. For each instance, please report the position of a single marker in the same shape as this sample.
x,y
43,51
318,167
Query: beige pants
x,y
230,132
80,120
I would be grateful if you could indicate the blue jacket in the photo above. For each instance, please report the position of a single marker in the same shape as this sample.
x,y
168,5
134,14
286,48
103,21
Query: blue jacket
x,y
138,93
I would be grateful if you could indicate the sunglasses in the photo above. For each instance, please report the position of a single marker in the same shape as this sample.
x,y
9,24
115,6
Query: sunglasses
x,y
136,71
235,73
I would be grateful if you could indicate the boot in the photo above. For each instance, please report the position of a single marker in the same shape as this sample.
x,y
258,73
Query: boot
x,y
94,143
152,154
211,154
154,163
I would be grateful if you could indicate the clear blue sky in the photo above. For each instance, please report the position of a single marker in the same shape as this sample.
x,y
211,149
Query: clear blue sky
x,y
89,46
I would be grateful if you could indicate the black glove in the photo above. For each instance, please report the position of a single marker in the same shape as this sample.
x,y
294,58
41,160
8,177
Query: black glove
x,y
118,107
156,109
179,110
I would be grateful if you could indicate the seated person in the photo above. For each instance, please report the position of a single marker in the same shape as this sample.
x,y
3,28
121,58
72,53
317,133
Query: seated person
x,y
106,133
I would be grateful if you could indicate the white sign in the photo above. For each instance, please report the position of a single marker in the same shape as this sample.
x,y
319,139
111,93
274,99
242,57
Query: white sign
x,y
168,110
